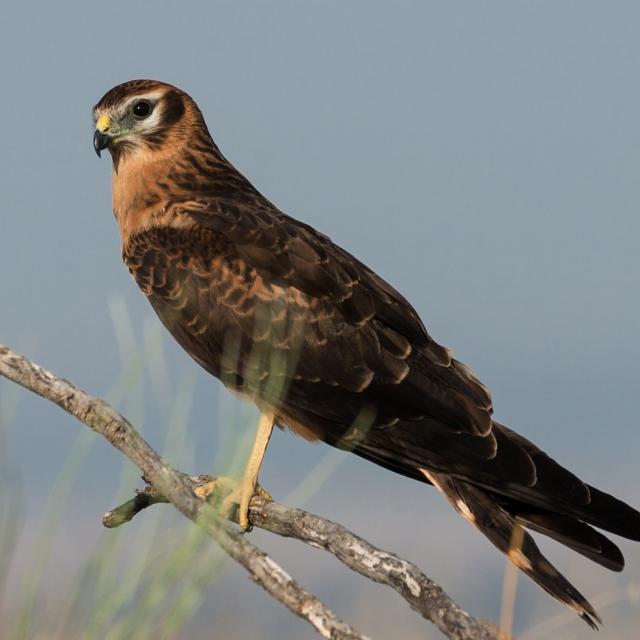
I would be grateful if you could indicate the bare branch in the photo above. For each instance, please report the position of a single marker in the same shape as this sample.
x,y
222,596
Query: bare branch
x,y
169,485
103,419
125,512
424,595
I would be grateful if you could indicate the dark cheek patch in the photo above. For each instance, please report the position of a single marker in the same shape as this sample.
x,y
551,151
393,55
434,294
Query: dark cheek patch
x,y
173,108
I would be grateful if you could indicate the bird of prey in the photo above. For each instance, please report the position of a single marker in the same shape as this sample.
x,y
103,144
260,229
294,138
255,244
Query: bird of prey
x,y
323,345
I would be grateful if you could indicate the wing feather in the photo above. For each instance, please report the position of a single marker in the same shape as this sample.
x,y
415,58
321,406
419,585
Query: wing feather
x,y
276,310
355,334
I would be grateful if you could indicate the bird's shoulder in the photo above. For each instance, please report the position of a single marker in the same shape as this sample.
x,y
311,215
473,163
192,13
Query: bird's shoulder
x,y
289,253
220,267
218,239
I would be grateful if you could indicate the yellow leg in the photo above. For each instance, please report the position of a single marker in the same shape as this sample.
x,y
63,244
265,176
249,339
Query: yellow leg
x,y
245,490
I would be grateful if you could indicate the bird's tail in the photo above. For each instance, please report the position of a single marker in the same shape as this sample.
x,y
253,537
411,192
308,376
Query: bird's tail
x,y
502,524
501,483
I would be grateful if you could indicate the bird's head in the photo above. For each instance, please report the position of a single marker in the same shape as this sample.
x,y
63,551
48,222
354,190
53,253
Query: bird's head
x,y
143,115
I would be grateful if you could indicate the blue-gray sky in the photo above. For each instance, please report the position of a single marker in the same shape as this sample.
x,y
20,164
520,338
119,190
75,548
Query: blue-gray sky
x,y
482,157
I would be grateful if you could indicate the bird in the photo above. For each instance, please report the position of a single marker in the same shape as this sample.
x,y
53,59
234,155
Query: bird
x,y
323,345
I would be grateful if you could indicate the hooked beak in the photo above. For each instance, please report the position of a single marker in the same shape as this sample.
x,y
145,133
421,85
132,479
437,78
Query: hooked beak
x,y
100,141
101,137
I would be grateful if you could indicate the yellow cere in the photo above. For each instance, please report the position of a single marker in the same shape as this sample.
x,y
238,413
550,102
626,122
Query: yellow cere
x,y
104,124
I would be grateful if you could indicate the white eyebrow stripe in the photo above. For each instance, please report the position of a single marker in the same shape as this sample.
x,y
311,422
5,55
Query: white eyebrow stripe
x,y
152,120
152,96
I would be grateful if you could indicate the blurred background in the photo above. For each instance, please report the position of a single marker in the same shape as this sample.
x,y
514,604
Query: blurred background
x,y
482,157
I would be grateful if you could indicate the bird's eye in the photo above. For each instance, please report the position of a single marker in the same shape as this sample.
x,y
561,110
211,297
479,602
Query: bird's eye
x,y
142,109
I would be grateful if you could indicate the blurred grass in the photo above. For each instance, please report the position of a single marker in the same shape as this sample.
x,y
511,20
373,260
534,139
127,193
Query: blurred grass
x,y
144,581
10,493
148,579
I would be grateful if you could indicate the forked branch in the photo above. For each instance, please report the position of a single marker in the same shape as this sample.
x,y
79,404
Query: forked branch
x,y
168,485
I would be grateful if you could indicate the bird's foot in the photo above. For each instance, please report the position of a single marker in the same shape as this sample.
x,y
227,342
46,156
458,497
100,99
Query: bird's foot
x,y
229,493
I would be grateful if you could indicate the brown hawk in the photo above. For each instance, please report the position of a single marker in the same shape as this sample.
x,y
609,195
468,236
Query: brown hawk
x,y
322,344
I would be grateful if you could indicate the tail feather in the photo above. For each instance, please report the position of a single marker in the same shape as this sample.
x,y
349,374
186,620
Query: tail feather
x,y
501,482
574,534
483,511
609,513
557,489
